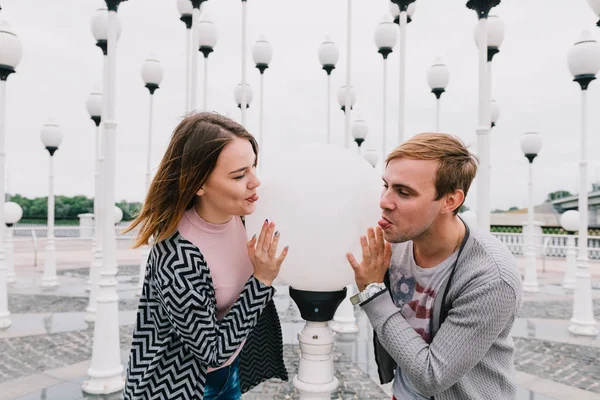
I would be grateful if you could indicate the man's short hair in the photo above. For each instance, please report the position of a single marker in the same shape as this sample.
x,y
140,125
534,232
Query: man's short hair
x,y
457,166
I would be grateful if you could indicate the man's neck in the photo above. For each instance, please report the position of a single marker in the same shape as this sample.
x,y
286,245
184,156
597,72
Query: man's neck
x,y
442,239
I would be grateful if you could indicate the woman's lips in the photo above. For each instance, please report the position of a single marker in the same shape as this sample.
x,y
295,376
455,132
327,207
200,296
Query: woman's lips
x,y
252,198
384,223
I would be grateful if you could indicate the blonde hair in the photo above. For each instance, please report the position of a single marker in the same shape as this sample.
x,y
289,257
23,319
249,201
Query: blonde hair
x,y
457,166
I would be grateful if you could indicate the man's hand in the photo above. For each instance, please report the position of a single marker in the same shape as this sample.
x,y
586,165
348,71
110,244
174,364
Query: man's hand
x,y
376,256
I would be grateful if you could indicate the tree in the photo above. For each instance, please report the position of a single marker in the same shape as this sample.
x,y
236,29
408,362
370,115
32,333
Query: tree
x,y
559,194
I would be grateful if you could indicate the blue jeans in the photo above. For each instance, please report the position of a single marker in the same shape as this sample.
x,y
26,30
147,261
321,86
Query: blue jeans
x,y
224,383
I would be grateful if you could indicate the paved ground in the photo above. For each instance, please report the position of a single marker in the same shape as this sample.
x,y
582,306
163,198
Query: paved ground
x,y
544,348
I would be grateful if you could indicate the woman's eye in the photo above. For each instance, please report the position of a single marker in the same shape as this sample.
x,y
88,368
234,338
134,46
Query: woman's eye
x,y
240,177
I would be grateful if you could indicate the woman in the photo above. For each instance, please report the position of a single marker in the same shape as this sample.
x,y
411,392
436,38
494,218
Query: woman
x,y
207,327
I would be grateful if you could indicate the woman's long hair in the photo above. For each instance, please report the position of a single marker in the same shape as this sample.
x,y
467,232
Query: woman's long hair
x,y
189,160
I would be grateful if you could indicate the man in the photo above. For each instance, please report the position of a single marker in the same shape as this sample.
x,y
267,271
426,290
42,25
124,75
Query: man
x,y
443,299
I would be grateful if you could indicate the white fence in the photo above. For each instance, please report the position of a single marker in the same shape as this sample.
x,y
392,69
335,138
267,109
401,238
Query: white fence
x,y
547,245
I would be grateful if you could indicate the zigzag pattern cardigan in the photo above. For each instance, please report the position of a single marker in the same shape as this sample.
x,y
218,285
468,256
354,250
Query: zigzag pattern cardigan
x,y
177,335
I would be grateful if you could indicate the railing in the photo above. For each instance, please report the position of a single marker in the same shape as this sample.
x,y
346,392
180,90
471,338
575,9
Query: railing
x,y
548,245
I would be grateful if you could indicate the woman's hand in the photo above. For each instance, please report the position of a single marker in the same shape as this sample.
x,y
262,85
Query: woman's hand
x,y
376,256
262,253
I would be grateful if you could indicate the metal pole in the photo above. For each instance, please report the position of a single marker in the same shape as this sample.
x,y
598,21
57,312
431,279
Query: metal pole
x,y
530,283
348,106
483,130
5,321
205,93
149,148
188,85
194,52
261,115
582,322
402,78
244,27
49,278
438,106
328,108
384,122
106,371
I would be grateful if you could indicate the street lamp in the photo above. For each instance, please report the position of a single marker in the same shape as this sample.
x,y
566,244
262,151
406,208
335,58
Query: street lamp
x,y
13,213
105,372
94,108
262,54
343,96
186,9
359,131
371,156
51,138
403,11
495,37
207,40
595,5
569,221
317,286
10,56
395,11
385,40
482,8
239,95
152,75
328,57
196,4
438,77
531,144
584,64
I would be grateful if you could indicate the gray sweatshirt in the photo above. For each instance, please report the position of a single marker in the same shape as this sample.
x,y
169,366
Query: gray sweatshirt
x,y
471,356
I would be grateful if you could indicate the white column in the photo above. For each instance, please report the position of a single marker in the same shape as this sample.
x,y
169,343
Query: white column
x,y
97,190
106,371
244,28
483,131
5,321
205,87
261,143
49,279
11,277
344,321
384,106
348,106
530,283
402,76
194,52
188,83
569,280
328,108
582,322
315,379
438,106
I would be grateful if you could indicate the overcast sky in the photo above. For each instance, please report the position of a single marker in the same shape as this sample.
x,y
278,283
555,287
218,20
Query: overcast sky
x,y
531,83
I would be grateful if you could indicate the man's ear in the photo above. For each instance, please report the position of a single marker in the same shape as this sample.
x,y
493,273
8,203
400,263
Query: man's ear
x,y
453,201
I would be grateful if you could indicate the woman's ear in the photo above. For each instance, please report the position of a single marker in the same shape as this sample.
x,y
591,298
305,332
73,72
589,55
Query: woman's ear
x,y
200,192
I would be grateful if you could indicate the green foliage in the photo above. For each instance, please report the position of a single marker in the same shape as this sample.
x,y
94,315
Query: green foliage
x,y
558,195
506,229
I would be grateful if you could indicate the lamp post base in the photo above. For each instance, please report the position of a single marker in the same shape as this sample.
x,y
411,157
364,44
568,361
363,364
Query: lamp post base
x,y
5,321
583,328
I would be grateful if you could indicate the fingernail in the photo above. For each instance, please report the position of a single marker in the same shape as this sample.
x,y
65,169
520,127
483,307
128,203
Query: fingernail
x,y
266,221
253,236
277,233
286,247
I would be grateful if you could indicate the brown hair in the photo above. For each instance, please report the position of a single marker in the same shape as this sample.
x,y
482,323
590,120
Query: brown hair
x,y
457,166
189,160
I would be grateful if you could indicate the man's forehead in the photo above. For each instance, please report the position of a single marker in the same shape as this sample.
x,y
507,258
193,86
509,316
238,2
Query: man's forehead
x,y
411,172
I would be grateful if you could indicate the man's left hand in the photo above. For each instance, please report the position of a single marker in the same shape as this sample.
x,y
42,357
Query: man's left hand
x,y
376,256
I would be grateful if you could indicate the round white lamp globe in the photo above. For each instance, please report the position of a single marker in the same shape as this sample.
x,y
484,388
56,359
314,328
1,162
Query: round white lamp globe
x,y
569,220
322,198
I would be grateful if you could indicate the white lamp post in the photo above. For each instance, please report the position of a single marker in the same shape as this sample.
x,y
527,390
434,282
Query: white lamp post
x,y
318,285
404,9
10,56
243,96
186,9
193,47
531,144
244,87
569,220
584,64
385,40
595,5
262,54
328,57
94,108
359,131
348,95
12,213
152,75
494,112
438,77
342,97
105,370
207,40
51,138
371,156
482,8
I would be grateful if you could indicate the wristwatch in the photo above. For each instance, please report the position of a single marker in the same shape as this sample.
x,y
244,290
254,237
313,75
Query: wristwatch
x,y
371,290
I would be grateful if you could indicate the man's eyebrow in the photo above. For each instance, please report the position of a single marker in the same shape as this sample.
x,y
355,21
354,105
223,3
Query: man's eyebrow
x,y
397,186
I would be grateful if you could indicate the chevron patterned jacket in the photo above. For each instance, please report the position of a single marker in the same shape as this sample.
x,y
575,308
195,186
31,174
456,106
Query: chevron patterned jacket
x,y
177,336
